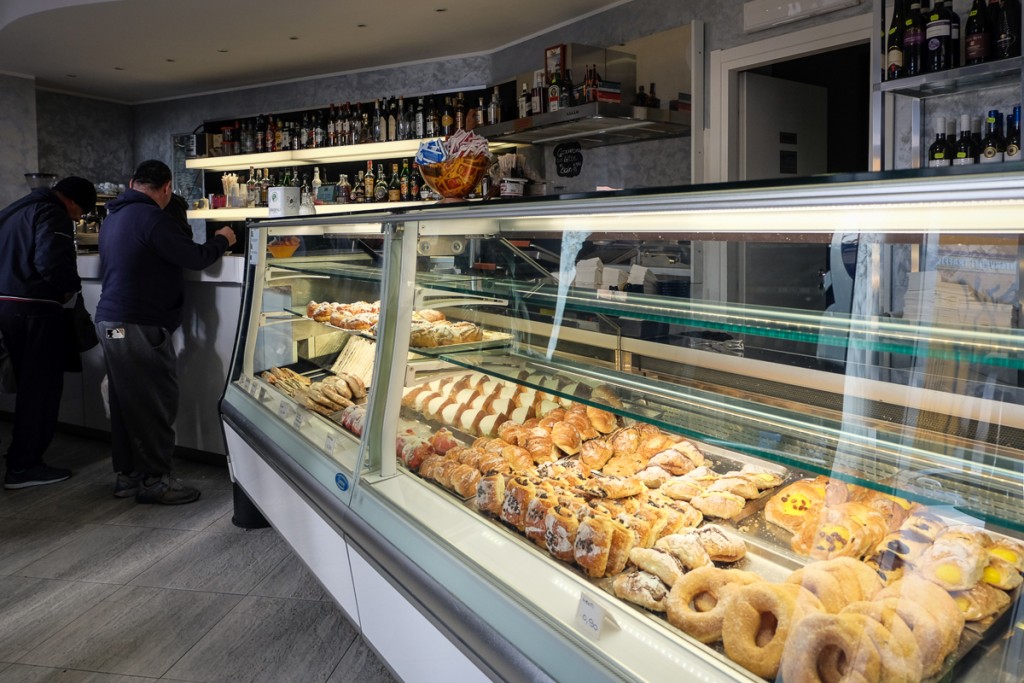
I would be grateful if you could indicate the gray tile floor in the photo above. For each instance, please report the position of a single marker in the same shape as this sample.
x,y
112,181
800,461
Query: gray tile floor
x,y
94,589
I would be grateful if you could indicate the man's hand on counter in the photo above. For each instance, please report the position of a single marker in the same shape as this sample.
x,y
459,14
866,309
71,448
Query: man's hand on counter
x,y
228,234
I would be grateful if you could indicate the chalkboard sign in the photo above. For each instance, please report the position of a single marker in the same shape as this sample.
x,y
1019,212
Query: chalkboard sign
x,y
568,159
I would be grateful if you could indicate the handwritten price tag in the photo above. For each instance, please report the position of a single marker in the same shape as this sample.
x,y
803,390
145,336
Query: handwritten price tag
x,y
283,409
300,419
591,618
329,444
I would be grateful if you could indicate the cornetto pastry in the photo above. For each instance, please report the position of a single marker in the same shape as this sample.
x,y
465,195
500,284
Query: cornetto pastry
x,y
664,565
606,395
721,504
720,545
624,465
696,602
795,504
738,485
464,480
757,620
581,423
653,477
686,548
981,602
679,459
682,488
642,588
602,420
566,438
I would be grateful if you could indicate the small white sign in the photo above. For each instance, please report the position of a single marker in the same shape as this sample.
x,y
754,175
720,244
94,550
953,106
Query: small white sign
x,y
300,419
329,444
591,617
283,409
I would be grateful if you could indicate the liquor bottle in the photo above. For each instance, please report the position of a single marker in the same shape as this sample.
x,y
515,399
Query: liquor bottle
x,y
913,41
940,153
566,97
524,102
554,92
265,187
316,183
287,180
977,34
954,33
538,99
394,185
938,31
344,190
447,118
393,116
414,184
1012,152
481,111
894,42
966,151
419,120
278,132
992,145
270,135
331,141
359,189
377,124
258,133
433,122
287,141
641,97
1005,29
380,188
346,126
248,143
252,191
460,112
494,108
319,129
404,181
407,122
369,180
653,101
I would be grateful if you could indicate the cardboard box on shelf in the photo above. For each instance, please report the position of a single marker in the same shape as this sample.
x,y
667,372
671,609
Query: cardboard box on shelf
x,y
283,201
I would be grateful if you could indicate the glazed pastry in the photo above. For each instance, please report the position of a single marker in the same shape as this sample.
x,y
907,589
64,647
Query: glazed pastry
x,y
642,588
666,566
686,548
793,505
721,504
981,602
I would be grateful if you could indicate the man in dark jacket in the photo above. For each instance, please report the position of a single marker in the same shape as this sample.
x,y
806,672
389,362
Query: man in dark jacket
x,y
38,273
143,251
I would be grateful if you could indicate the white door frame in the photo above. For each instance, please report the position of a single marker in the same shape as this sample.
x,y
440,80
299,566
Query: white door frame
x,y
723,158
722,145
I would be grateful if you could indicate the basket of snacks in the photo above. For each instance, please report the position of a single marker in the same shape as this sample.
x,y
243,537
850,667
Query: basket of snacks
x,y
454,167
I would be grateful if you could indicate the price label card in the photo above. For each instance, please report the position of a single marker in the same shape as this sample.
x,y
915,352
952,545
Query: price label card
x,y
300,419
263,394
283,409
329,444
591,617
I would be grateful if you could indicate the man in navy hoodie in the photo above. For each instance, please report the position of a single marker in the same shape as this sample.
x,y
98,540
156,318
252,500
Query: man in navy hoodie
x,y
38,273
143,253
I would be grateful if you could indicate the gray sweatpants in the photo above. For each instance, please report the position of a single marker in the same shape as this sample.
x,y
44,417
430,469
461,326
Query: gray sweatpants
x,y
143,386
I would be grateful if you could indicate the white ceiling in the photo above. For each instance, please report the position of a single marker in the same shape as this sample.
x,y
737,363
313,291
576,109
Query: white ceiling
x,y
134,51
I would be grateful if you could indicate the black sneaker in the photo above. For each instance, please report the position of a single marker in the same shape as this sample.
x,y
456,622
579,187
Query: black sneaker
x,y
39,475
127,484
166,490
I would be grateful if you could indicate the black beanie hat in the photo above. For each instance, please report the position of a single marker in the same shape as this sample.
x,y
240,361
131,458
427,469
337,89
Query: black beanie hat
x,y
78,190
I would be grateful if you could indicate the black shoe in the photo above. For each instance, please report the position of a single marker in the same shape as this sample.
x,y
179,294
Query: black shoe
x,y
39,475
166,490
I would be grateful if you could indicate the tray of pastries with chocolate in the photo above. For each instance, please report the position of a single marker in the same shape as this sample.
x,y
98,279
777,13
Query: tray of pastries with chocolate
x,y
429,329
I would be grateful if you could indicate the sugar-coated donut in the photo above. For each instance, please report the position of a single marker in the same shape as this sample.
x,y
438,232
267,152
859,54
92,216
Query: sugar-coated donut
x,y
901,656
757,620
695,604
834,648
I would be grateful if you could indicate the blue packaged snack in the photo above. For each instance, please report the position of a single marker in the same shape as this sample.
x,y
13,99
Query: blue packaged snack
x,y
431,152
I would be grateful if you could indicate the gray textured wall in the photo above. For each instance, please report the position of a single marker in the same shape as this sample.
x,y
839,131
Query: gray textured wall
x,y
88,138
18,132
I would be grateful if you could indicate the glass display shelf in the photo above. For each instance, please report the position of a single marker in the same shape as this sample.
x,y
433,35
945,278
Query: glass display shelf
x,y
993,346
981,479
326,268
987,75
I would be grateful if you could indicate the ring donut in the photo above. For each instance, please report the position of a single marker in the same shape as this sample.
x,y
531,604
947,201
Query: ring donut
x,y
824,585
695,604
932,638
901,656
757,621
834,648
931,613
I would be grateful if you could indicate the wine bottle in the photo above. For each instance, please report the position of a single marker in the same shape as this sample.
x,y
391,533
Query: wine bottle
x,y
992,145
966,152
394,185
913,41
938,39
894,42
524,102
940,153
1005,29
420,120
977,34
954,33
1012,152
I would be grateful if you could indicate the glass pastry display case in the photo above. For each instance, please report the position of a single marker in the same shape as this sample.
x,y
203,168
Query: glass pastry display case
x,y
571,465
